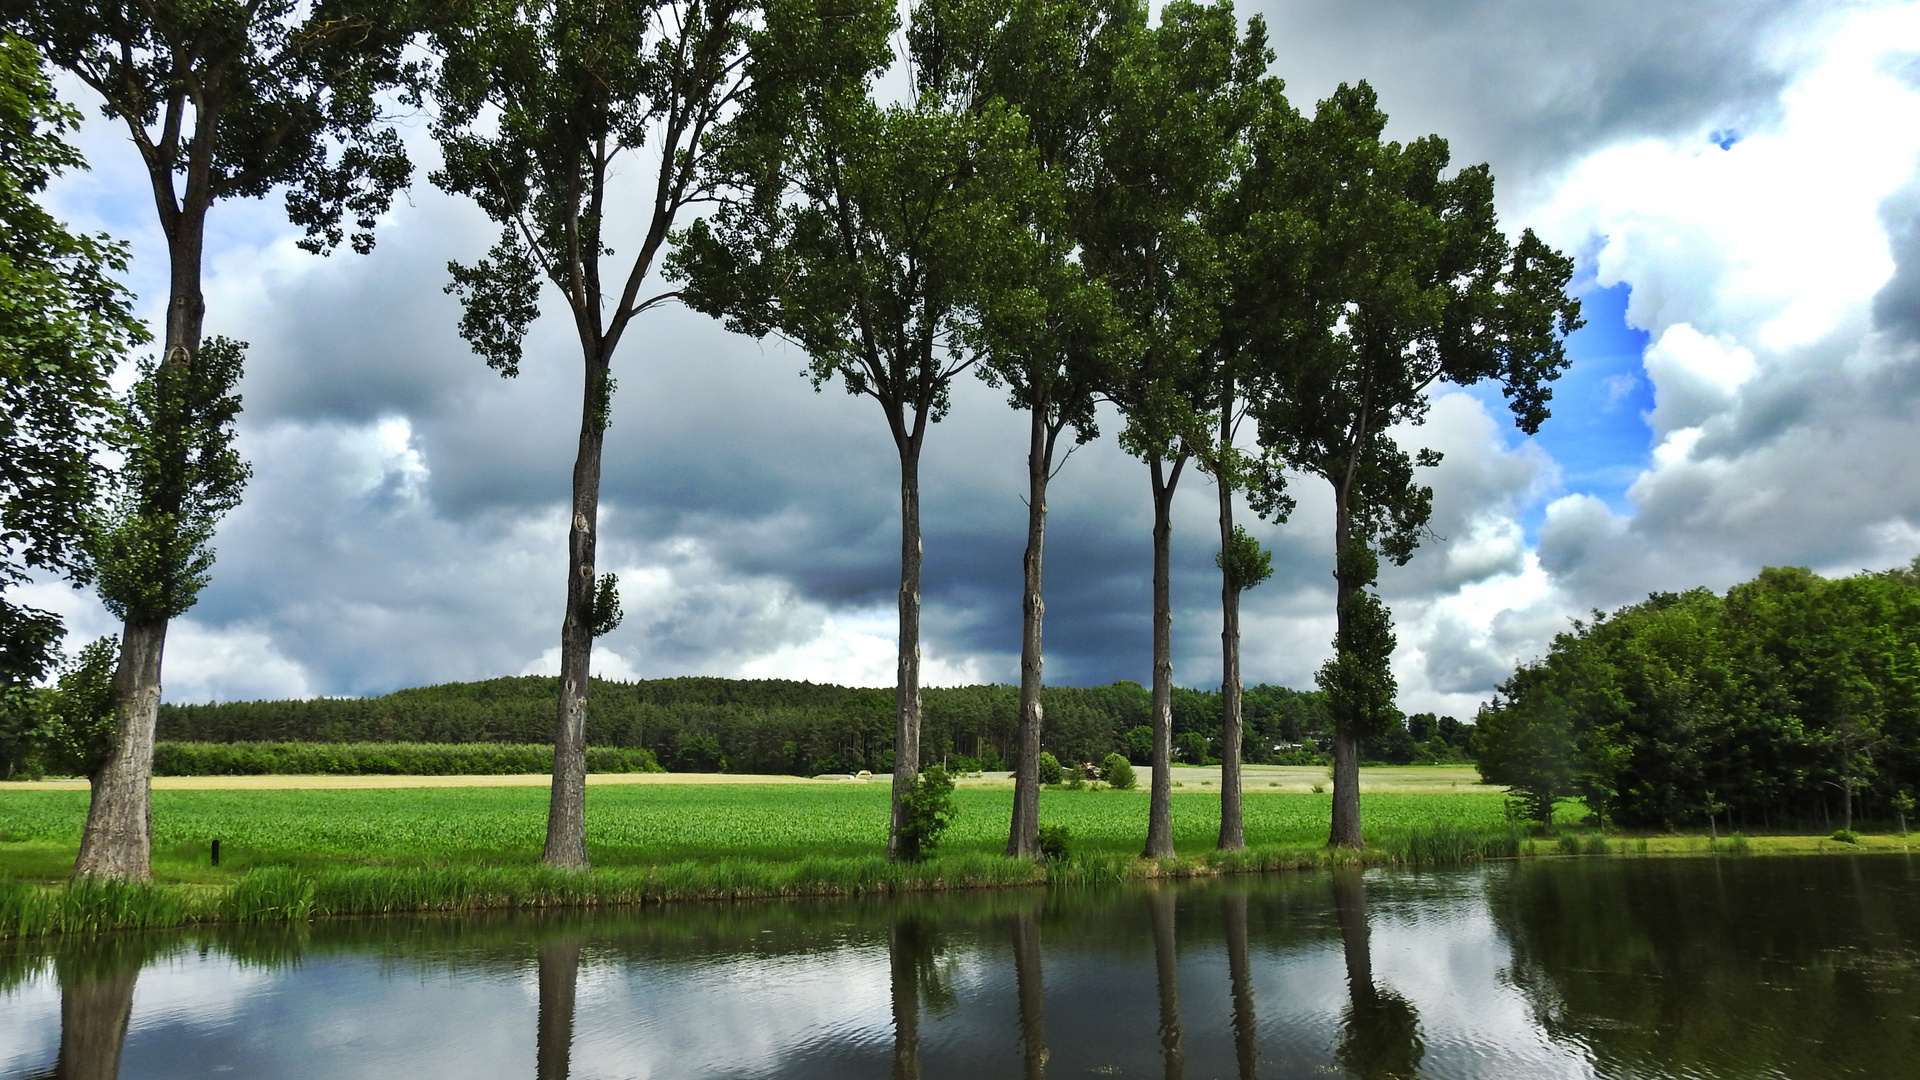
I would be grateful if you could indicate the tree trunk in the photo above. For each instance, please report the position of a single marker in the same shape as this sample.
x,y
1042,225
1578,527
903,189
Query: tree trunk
x,y
118,841
1246,1050
1023,837
906,701
1166,966
1345,831
1029,988
1232,833
93,1024
558,976
1160,807
1846,805
567,803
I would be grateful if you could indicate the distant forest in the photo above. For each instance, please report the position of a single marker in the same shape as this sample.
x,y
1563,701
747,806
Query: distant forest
x,y
780,726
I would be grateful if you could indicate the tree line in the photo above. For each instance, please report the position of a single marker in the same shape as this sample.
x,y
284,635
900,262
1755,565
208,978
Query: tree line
x,y
769,726
703,724
1791,700
1075,201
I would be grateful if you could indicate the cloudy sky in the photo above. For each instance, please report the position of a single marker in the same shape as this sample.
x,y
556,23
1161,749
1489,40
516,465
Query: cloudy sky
x,y
1737,179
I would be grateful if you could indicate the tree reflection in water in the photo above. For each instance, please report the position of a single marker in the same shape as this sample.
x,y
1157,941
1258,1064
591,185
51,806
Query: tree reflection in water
x,y
1246,1052
913,952
1028,988
96,1003
1166,965
559,962
1379,1031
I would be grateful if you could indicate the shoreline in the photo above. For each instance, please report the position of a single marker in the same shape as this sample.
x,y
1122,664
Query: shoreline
x,y
279,894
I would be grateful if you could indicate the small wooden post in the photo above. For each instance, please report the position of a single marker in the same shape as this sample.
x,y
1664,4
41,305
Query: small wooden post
x,y
216,851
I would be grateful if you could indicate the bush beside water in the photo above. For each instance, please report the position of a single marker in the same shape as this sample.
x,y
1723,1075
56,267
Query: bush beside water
x,y
382,759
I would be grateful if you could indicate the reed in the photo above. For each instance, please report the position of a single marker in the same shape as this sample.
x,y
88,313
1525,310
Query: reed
x,y
1443,844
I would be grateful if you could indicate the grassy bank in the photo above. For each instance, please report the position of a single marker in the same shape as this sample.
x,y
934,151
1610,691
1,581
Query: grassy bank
x,y
279,894
299,854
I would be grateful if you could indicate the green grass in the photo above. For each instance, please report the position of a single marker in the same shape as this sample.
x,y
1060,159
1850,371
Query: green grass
x,y
641,825
293,854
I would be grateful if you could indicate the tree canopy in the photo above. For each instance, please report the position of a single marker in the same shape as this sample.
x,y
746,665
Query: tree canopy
x,y
65,322
1792,698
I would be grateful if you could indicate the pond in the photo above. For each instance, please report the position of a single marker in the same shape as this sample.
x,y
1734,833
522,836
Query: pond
x,y
1614,967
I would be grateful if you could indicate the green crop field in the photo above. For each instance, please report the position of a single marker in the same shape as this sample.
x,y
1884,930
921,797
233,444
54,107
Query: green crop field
x,y
642,824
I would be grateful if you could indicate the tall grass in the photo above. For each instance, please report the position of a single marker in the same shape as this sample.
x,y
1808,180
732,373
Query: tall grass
x,y
1444,844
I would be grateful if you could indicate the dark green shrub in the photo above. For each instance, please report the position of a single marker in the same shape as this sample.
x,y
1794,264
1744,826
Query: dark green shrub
x,y
698,753
930,810
1569,844
1118,772
1140,745
1049,768
1595,844
1191,748
1054,840
1846,836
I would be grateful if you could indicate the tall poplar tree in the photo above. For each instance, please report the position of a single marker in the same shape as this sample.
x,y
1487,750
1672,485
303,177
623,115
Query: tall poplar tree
x,y
1400,280
1181,96
223,99
1048,332
872,235
1246,303
541,105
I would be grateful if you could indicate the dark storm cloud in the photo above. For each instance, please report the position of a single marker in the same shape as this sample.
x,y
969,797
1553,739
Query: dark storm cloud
x,y
1896,308
743,508
1528,86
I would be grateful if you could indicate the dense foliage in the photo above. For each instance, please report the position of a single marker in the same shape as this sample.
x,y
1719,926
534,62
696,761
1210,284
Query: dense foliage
x,y
1792,699
382,759
779,726
64,323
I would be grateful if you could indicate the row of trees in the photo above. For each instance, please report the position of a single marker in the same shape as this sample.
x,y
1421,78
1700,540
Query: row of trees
x,y
1792,699
774,726
1075,203
1089,207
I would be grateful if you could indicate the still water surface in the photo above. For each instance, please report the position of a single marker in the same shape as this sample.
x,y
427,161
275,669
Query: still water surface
x,y
1624,967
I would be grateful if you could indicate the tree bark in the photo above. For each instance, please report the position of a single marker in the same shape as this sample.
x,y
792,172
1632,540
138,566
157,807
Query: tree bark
x,y
1232,832
1345,830
906,740
567,804
1029,988
94,1012
1246,1050
1166,966
118,841
559,974
1023,836
1160,806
